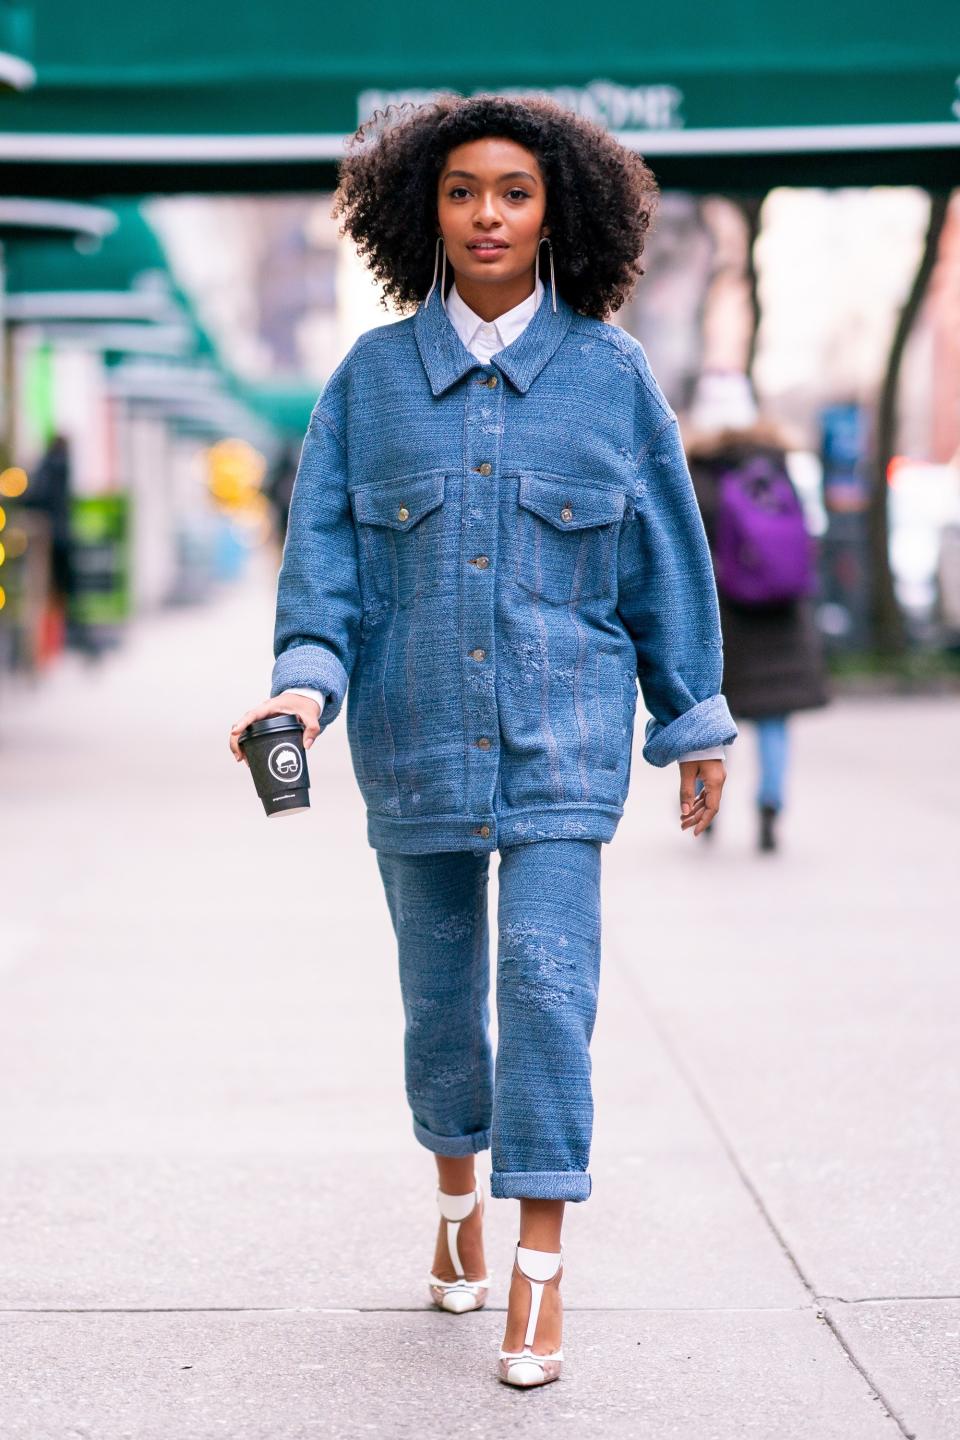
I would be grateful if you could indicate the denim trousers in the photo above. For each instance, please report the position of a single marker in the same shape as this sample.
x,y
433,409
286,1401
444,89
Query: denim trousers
x,y
773,752
533,1106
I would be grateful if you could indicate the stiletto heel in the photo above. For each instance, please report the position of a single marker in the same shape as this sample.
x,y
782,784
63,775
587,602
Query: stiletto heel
x,y
522,1367
461,1294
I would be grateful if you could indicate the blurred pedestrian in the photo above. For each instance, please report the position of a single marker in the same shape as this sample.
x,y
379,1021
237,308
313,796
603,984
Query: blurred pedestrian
x,y
492,533
278,488
49,494
763,556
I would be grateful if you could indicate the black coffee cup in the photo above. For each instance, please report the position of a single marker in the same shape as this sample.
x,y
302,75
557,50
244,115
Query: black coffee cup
x,y
278,762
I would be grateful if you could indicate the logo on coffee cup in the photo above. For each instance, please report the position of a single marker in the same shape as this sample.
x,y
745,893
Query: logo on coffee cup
x,y
284,763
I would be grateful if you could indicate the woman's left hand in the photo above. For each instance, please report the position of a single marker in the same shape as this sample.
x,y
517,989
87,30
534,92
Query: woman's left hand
x,y
698,810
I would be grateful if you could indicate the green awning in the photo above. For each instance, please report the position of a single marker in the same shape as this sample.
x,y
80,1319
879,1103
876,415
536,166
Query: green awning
x,y
286,408
116,295
189,93
122,275
113,291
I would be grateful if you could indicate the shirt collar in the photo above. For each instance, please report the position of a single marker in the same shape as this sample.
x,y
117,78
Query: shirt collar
x,y
446,359
507,326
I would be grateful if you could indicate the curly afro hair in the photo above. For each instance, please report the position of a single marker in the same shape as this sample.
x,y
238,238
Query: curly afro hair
x,y
600,196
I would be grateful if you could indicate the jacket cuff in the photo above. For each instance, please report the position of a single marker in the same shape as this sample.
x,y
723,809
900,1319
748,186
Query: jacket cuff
x,y
317,669
709,723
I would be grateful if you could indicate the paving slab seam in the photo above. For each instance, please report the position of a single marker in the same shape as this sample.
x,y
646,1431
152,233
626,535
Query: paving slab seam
x,y
832,1326
713,1120
885,1299
392,1310
180,1310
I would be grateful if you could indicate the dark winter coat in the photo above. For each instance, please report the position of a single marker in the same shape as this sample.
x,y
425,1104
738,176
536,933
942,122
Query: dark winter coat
x,y
773,661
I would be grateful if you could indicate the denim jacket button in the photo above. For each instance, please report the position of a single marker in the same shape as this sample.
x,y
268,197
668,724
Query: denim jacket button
x,y
478,654
491,383
566,513
484,469
483,830
483,743
403,513
480,561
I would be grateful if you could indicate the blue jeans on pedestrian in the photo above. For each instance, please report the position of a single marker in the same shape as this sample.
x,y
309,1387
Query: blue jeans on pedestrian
x,y
534,1106
773,753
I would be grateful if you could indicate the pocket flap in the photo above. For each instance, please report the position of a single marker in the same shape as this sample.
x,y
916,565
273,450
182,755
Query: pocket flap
x,y
398,504
568,504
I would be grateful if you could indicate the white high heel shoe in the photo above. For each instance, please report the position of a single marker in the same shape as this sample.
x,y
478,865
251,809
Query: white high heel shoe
x,y
461,1294
522,1367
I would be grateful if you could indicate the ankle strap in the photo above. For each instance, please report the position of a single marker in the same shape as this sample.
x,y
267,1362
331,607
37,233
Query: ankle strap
x,y
539,1265
457,1207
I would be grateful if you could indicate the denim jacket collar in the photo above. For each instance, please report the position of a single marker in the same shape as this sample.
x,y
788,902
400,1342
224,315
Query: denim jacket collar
x,y
446,359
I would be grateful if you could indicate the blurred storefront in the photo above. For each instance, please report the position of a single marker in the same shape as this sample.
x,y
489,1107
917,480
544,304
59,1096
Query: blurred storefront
x,y
117,406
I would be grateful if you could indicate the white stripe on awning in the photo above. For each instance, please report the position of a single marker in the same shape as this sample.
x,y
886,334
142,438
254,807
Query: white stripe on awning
x,y
19,74
168,340
58,215
774,140
138,304
724,141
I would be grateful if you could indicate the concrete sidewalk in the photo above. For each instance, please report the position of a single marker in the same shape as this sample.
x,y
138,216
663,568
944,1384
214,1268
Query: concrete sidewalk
x,y
216,1221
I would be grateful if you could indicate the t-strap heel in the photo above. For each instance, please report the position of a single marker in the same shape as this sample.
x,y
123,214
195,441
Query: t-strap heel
x,y
523,1367
461,1294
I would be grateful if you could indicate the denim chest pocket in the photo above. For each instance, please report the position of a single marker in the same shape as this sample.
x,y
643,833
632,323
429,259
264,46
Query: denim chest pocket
x,y
567,536
401,539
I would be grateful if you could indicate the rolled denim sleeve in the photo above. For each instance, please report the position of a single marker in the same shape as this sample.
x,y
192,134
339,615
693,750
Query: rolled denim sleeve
x,y
668,602
318,593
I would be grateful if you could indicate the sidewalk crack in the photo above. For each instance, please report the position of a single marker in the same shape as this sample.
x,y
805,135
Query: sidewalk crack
x,y
713,1121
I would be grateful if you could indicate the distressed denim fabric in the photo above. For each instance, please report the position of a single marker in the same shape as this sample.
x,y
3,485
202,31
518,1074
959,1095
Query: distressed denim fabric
x,y
535,1108
490,556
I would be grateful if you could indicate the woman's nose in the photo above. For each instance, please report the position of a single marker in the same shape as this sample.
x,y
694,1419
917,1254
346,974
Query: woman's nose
x,y
487,212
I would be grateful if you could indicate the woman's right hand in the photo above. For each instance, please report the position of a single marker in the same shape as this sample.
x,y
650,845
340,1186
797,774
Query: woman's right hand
x,y
286,703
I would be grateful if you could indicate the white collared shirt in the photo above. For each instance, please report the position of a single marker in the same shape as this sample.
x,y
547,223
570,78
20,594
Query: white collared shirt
x,y
484,338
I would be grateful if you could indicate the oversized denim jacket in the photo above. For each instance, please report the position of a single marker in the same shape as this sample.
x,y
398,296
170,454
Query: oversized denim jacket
x,y
489,557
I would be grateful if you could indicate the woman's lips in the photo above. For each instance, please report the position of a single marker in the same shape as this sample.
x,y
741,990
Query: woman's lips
x,y
486,248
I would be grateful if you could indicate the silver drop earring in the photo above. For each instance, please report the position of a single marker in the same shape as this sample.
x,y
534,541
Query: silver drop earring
x,y
443,274
553,281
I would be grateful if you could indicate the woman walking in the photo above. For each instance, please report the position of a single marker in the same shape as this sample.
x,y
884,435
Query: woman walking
x,y
492,535
773,655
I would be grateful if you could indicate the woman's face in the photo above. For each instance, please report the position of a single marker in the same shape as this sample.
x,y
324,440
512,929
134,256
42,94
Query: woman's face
x,y
491,201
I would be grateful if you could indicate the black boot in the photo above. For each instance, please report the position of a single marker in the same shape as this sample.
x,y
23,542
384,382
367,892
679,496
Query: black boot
x,y
768,834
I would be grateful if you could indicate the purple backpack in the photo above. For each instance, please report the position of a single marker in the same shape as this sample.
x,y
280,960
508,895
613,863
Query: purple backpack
x,y
762,552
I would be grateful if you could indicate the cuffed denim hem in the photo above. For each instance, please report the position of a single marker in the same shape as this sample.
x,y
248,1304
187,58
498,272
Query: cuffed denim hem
x,y
452,1145
701,727
540,1185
